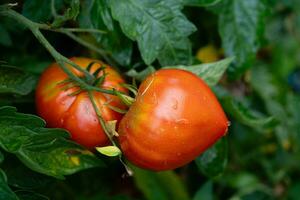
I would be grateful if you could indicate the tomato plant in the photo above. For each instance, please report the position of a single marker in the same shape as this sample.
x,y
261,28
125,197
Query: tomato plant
x,y
74,112
89,137
174,118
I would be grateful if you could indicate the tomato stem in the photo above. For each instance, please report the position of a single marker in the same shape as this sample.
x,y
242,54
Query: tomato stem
x,y
100,118
60,59
106,130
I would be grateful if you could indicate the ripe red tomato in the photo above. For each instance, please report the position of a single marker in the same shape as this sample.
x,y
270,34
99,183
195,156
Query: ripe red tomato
x,y
175,118
76,113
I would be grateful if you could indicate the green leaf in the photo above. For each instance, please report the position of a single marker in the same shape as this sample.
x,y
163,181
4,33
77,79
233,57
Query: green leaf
x,y
200,2
109,150
101,16
205,192
159,185
249,187
243,113
140,76
38,11
10,117
241,24
213,161
244,181
96,14
247,116
5,38
5,192
30,63
159,27
16,171
211,73
42,149
15,81
70,14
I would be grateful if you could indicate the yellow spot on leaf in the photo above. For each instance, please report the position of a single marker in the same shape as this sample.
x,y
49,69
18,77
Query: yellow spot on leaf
x,y
75,160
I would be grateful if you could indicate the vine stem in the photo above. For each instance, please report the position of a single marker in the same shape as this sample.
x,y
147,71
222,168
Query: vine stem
x,y
106,131
100,119
68,33
60,59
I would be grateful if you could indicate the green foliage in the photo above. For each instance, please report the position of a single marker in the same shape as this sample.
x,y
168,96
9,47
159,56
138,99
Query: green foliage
x,y
109,150
159,186
142,74
15,81
211,73
246,116
214,160
205,192
5,191
95,14
201,2
159,27
241,25
43,11
280,103
70,14
44,150
38,11
15,171
259,157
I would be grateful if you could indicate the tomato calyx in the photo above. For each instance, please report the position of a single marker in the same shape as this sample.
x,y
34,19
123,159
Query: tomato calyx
x,y
96,79
95,84
128,100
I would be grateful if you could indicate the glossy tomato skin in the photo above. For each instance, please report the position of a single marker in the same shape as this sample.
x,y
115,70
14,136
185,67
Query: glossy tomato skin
x,y
76,113
174,119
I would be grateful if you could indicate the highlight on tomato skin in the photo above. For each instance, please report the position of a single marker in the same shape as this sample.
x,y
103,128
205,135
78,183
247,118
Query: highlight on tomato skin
x,y
174,119
76,113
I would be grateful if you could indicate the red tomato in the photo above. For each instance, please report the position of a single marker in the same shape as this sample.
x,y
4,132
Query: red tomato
x,y
174,119
76,113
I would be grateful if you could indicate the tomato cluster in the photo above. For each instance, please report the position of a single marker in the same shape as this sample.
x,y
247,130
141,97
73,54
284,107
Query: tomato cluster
x,y
174,118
